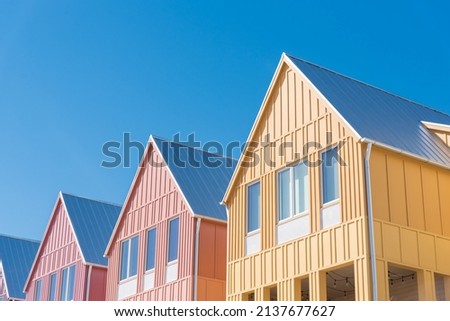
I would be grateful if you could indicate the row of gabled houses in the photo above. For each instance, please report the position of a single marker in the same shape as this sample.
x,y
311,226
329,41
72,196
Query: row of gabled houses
x,y
343,194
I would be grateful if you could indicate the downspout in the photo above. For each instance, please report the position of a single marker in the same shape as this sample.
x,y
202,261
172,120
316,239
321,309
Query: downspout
x,y
197,236
373,262
88,283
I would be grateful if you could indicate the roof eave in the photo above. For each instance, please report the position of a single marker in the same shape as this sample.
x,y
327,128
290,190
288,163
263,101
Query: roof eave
x,y
404,152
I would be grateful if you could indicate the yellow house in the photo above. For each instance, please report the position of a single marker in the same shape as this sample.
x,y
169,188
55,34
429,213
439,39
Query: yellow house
x,y
342,193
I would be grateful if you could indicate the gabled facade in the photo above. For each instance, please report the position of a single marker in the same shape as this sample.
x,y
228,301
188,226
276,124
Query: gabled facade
x,y
170,240
69,264
342,194
16,258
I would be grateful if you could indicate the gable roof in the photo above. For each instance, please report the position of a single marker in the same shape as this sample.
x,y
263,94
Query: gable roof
x,y
92,222
200,176
201,181
16,258
380,116
372,114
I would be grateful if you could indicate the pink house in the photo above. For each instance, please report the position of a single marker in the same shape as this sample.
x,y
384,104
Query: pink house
x,y
170,240
69,264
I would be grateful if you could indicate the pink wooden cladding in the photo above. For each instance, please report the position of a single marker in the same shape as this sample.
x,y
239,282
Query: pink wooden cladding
x,y
2,287
59,250
154,200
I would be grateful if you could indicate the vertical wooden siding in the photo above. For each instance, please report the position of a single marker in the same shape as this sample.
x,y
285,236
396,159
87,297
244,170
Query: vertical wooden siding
x,y
411,204
294,114
212,261
59,250
154,200
97,288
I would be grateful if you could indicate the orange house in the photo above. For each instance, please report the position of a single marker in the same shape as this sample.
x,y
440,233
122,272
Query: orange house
x,y
170,240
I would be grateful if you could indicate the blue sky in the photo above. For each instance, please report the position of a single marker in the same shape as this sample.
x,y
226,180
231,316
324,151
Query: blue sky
x,y
76,74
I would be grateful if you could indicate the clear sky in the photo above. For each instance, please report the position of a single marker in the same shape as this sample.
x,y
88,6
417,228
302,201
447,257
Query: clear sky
x,y
76,74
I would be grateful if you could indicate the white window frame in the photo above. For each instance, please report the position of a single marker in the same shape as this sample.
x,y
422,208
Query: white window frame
x,y
36,287
65,292
168,240
255,231
55,287
146,249
128,277
336,200
292,214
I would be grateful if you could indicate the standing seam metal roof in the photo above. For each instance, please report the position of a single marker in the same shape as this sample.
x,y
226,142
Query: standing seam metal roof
x,y
379,115
93,222
202,176
16,256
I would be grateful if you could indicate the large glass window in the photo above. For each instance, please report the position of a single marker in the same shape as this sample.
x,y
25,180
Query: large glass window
x,y
52,292
253,207
293,191
173,240
68,283
38,290
151,248
330,176
129,258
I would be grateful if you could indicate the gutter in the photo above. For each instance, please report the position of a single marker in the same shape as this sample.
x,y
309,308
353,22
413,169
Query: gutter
x,y
373,262
197,236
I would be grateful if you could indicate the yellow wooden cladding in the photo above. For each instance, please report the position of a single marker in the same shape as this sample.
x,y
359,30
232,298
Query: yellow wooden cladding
x,y
410,193
411,205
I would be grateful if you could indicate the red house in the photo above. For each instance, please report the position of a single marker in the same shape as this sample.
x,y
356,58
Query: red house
x,y
170,240
69,264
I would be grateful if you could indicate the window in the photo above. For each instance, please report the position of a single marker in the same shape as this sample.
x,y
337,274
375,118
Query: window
x,y
151,247
173,240
129,258
253,207
52,293
37,290
67,283
293,191
330,176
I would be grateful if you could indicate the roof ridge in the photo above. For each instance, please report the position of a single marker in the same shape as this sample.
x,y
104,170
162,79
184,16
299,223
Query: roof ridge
x,y
369,85
192,147
91,199
19,238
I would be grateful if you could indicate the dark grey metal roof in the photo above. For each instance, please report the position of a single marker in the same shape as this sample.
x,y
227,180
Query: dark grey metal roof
x,y
16,256
380,116
202,177
93,222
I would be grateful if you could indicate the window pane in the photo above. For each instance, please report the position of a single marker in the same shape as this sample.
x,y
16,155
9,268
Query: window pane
x,y
284,194
134,256
301,193
124,260
173,240
330,176
52,293
253,207
151,247
63,292
71,282
37,291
